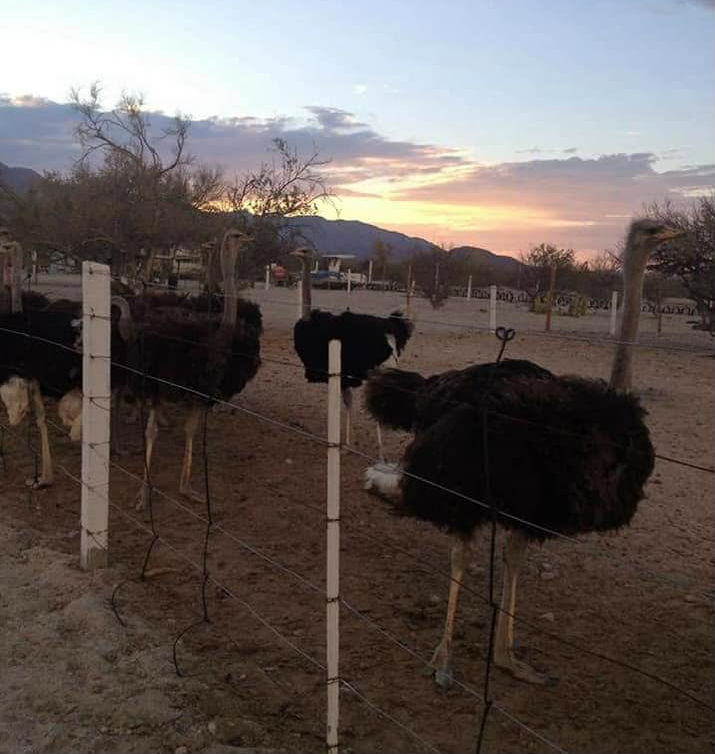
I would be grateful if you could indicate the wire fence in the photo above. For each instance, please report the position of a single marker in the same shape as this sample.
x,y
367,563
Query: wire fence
x,y
212,528
471,326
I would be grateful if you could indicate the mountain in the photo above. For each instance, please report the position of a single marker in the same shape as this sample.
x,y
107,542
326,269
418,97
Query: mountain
x,y
355,237
18,179
488,260
328,236
358,238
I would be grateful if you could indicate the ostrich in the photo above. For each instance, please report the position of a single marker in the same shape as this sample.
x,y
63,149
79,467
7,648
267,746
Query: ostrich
x,y
41,355
564,453
30,367
367,342
208,357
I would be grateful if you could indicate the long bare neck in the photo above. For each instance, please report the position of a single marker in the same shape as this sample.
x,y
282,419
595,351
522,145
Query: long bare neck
x,y
633,272
306,288
229,259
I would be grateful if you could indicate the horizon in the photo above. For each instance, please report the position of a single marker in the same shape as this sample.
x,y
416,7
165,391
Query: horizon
x,y
558,124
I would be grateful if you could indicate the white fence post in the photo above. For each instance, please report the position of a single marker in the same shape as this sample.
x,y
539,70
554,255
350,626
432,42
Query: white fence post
x,y
268,277
369,272
350,280
614,312
96,407
469,288
492,308
332,592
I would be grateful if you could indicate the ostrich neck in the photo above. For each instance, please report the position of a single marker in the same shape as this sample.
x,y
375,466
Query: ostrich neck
x,y
229,258
633,272
306,288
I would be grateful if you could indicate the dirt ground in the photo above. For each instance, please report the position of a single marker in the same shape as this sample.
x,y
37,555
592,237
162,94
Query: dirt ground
x,y
75,679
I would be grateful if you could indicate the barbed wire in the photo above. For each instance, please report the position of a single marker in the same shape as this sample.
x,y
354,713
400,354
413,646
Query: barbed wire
x,y
349,607
126,367
236,406
260,618
314,587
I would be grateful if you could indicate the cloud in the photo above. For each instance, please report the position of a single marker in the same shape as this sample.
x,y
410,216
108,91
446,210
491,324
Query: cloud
x,y
360,89
418,188
575,202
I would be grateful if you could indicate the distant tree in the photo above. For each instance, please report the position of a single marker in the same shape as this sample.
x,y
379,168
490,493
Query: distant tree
x,y
434,272
269,202
537,266
149,189
134,194
690,258
381,253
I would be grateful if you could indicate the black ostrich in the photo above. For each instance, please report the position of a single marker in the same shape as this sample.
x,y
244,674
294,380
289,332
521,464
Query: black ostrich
x,y
367,342
567,454
39,356
214,358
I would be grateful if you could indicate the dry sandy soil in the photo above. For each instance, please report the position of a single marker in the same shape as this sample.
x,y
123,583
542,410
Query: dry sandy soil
x,y
75,679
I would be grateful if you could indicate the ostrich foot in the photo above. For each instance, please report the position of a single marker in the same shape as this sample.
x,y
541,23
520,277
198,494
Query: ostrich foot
x,y
188,491
520,669
441,667
39,483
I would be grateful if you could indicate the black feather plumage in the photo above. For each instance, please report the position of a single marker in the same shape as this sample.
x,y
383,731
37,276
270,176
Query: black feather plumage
x,y
565,453
44,349
202,356
364,339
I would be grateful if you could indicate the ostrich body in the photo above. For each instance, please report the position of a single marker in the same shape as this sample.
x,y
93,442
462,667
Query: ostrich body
x,y
566,454
208,357
367,342
30,367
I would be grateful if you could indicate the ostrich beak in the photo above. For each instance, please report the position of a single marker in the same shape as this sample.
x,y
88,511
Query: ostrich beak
x,y
301,253
668,234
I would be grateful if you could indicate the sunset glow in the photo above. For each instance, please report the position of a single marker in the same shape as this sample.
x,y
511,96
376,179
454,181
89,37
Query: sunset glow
x,y
483,141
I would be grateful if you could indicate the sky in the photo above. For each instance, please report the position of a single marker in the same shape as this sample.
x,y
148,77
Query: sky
x,y
494,123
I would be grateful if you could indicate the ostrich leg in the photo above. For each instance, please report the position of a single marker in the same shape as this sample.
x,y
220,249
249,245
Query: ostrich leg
x,y
150,434
380,454
47,476
348,401
460,556
185,488
514,553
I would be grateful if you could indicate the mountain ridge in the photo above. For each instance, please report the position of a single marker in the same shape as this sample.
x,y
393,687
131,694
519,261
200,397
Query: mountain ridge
x,y
327,236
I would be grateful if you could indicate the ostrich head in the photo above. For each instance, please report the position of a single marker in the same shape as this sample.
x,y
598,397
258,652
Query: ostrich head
x,y
302,252
643,237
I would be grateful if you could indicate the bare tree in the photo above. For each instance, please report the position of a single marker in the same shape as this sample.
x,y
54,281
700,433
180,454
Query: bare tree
x,y
690,258
268,203
434,273
147,182
537,268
